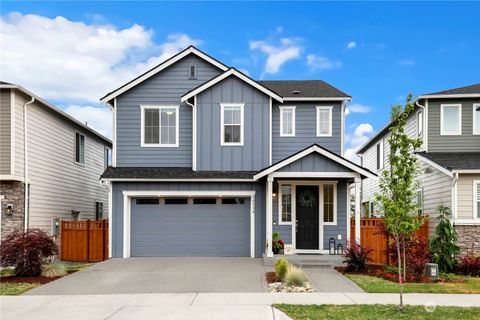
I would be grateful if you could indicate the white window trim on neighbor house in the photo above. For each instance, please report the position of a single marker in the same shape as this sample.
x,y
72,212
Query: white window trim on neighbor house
x,y
159,108
420,123
475,120
81,161
330,111
379,155
284,109
442,120
222,123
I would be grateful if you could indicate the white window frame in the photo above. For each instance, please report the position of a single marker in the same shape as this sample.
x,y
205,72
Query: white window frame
x,y
195,71
475,105
422,200
442,120
222,124
84,149
334,222
287,109
330,109
292,203
142,124
420,120
380,158
475,200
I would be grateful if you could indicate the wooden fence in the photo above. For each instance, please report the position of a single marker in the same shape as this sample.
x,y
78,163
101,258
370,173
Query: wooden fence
x,y
84,240
372,237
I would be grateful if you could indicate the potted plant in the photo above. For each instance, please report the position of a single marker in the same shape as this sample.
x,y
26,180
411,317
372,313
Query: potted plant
x,y
277,243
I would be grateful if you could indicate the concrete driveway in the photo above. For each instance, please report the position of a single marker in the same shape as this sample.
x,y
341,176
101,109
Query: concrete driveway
x,y
163,275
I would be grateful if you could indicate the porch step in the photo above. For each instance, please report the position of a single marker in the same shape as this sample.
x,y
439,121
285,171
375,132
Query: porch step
x,y
307,261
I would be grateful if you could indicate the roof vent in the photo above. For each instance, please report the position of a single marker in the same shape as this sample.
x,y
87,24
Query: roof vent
x,y
296,92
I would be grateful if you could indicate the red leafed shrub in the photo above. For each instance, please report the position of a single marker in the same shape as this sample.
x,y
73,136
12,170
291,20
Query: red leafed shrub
x,y
26,251
356,258
469,265
417,257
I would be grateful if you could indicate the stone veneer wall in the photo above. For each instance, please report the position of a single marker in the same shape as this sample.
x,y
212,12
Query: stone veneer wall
x,y
469,238
13,192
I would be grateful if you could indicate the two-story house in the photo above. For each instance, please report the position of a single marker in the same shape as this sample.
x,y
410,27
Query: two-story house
x,y
448,122
50,164
207,161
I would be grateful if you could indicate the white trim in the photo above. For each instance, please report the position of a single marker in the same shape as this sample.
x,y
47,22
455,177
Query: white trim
x,y
12,131
425,129
446,96
282,110
127,196
226,74
84,149
114,145
175,180
466,222
475,133
161,67
142,126
379,157
315,174
280,204
10,177
349,209
467,171
358,205
269,217
110,216
342,130
420,115
435,165
459,132
476,200
222,125
334,222
330,109
317,99
321,151
270,132
194,138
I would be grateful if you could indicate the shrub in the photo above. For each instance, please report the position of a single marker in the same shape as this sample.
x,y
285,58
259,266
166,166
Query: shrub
x,y
295,277
443,244
26,251
417,256
53,269
356,258
277,243
469,265
281,268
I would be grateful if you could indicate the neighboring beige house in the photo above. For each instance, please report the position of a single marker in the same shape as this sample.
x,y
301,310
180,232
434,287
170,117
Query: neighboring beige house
x,y
60,158
449,124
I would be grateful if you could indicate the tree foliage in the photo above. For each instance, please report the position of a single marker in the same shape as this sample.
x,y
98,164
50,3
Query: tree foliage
x,y
443,244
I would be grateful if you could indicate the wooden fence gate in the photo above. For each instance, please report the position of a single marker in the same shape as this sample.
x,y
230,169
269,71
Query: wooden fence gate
x,y
84,240
371,237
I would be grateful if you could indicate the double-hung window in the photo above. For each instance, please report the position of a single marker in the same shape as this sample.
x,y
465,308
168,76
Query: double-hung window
x,y
324,121
420,123
159,126
285,204
476,118
450,119
232,124
287,121
380,157
79,148
476,199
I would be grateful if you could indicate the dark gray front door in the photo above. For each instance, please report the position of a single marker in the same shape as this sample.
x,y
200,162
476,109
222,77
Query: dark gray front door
x,y
307,217
191,229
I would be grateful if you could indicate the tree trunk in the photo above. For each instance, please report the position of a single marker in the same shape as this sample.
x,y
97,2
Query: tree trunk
x,y
400,274
404,260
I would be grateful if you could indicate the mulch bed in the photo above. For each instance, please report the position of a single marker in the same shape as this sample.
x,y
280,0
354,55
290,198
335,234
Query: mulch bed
x,y
271,277
41,280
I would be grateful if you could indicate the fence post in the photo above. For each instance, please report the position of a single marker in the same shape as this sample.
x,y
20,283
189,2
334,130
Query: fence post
x,y
88,240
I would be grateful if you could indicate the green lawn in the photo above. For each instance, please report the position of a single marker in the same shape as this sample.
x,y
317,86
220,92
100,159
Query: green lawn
x,y
369,312
372,284
15,289
77,267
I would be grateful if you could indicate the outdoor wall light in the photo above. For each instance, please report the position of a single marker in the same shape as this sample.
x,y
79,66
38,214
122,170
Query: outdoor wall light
x,y
331,246
274,195
9,211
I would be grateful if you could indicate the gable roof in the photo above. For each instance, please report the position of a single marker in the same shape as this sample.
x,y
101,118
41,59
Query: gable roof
x,y
226,74
7,85
450,162
190,50
467,90
303,89
320,150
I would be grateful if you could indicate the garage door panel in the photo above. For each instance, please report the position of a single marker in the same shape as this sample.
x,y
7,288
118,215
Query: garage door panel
x,y
190,230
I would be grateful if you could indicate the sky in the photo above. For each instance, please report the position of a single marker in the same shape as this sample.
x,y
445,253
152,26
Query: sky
x,y
72,53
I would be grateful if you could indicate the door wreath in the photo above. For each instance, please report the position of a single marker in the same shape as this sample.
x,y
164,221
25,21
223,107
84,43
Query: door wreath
x,y
307,199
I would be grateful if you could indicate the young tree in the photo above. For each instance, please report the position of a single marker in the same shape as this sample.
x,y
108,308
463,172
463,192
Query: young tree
x,y
398,186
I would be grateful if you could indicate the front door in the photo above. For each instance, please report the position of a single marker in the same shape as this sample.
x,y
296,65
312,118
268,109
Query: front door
x,y
307,217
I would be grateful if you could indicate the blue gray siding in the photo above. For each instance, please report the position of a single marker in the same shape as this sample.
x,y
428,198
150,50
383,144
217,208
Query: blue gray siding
x,y
164,88
305,130
117,199
314,162
254,154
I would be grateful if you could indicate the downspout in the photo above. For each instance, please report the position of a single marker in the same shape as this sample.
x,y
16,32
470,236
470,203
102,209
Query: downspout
x,y
454,197
25,164
194,132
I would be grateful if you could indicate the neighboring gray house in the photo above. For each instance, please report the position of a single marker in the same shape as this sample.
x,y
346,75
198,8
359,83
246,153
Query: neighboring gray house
x,y
449,124
60,158
207,161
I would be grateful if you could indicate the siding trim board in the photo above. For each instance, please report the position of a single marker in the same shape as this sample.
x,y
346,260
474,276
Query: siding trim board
x,y
128,195
435,165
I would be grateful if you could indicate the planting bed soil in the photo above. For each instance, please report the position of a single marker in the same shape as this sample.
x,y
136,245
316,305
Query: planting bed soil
x,y
40,279
271,277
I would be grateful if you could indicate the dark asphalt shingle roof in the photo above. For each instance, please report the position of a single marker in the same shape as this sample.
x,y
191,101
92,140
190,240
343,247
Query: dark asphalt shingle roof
x,y
472,89
172,173
306,88
453,160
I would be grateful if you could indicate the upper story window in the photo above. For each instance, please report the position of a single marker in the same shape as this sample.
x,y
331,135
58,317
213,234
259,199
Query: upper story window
x,y
159,126
380,158
450,119
476,118
420,123
232,124
287,121
324,121
192,72
79,148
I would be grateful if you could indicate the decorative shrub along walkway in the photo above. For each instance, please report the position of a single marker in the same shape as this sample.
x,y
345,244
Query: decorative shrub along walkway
x,y
287,278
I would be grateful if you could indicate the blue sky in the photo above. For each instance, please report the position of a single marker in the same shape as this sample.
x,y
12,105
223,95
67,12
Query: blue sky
x,y
73,53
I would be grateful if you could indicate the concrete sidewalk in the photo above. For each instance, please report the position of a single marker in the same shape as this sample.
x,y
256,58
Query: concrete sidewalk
x,y
199,305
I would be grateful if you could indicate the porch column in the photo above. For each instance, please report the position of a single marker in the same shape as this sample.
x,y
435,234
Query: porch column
x,y
358,182
268,219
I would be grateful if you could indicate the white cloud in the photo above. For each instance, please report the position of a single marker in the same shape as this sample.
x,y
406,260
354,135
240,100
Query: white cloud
x,y
357,108
360,136
69,60
277,55
351,45
319,62
100,119
406,62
